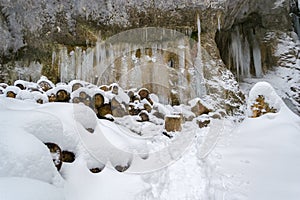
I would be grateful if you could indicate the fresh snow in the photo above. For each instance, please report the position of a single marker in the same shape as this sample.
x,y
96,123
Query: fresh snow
x,y
255,159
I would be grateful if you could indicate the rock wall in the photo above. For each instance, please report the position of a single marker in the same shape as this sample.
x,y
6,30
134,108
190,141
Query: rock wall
x,y
34,33
244,40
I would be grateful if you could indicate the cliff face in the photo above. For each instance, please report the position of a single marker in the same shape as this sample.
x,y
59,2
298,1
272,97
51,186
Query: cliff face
x,y
42,37
249,35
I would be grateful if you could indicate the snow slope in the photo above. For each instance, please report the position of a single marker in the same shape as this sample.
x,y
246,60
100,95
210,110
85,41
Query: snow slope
x,y
260,159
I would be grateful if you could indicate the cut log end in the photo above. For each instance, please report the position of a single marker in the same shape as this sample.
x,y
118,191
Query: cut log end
x,y
173,123
56,154
68,156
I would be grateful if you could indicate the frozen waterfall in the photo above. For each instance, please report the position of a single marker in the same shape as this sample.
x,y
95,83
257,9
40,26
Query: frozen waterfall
x,y
245,53
159,59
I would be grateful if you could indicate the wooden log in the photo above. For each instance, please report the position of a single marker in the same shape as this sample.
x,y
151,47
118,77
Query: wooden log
x,y
144,116
105,109
121,168
96,169
62,96
21,86
118,111
149,100
115,103
76,100
172,123
115,89
148,52
144,93
52,98
203,123
11,94
138,53
67,156
132,110
3,85
98,100
148,107
91,130
45,86
87,101
131,95
56,154
76,86
105,88
40,101
83,95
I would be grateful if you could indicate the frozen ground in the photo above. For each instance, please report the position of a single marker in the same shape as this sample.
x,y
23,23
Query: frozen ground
x,y
255,159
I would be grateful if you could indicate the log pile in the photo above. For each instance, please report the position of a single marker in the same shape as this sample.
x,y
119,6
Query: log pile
x,y
109,101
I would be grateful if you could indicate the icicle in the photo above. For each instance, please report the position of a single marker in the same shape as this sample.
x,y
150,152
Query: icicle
x,y
219,22
297,24
241,54
257,58
246,59
200,82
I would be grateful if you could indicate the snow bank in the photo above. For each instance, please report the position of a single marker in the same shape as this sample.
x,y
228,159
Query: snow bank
x,y
23,155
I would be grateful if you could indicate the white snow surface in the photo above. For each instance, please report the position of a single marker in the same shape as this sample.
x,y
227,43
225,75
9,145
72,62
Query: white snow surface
x,y
256,159
12,188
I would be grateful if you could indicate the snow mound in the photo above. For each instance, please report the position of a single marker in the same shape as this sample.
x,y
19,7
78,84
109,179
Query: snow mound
x,y
24,95
271,97
23,155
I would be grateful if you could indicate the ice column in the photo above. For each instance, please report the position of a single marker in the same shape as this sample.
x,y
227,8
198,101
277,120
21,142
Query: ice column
x,y
200,82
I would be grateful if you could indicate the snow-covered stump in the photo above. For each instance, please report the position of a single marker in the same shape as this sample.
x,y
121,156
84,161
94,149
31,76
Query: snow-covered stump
x,y
56,154
173,123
